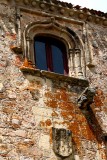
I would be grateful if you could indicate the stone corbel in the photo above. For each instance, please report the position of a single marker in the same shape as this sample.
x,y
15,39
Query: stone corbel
x,y
86,98
62,143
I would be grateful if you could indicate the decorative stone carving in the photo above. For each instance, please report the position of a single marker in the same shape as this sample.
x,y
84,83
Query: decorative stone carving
x,y
105,23
52,8
89,18
26,2
81,15
33,3
71,63
97,20
78,63
62,11
17,48
71,13
86,98
88,49
62,144
42,6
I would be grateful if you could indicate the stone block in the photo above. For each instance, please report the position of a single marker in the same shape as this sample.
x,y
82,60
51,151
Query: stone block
x,y
2,88
20,133
44,142
15,123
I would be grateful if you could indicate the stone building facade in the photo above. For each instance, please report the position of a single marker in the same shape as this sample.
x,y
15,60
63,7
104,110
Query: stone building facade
x,y
46,115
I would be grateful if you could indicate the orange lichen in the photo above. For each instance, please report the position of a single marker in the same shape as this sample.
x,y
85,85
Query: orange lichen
x,y
75,128
97,101
64,114
50,135
42,124
99,92
34,85
65,122
80,118
68,106
49,95
67,115
48,122
18,61
77,142
103,154
54,114
87,132
45,123
61,95
27,64
58,95
51,103
72,116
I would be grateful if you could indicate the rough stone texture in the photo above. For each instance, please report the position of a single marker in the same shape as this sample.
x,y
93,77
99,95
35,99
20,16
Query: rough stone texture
x,y
31,105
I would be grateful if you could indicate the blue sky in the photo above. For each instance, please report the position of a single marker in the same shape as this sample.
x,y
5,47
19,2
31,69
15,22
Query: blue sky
x,y
92,4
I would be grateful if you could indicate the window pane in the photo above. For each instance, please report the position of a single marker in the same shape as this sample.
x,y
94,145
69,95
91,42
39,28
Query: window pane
x,y
57,60
40,53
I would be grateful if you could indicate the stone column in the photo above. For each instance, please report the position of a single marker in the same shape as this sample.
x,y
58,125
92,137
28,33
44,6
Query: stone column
x,y
19,27
18,46
27,61
28,47
78,63
89,60
71,63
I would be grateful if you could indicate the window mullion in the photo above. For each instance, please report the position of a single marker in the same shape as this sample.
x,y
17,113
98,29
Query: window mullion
x,y
65,63
49,56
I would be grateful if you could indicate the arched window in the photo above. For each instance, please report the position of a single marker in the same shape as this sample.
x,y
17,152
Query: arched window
x,y
52,47
50,54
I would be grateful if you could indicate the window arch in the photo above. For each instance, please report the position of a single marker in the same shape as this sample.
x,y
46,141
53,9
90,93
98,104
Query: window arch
x,y
50,54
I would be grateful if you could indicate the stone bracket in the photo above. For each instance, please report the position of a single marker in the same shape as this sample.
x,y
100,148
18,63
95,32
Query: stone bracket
x,y
86,98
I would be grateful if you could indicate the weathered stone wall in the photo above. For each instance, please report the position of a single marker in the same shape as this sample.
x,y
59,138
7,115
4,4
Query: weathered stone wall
x,y
31,105
97,75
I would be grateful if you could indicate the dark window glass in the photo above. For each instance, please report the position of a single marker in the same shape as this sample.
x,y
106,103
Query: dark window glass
x,y
50,54
41,62
57,57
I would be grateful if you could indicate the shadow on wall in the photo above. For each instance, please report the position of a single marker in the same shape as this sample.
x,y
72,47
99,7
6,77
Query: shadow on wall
x,y
95,128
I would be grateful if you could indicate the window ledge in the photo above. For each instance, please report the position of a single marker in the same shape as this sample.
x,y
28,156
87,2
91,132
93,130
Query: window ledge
x,y
55,76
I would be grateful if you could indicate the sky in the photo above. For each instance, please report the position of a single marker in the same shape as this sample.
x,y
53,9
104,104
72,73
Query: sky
x,y
91,4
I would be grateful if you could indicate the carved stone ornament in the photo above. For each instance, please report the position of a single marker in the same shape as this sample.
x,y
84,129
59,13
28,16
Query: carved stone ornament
x,y
86,98
62,144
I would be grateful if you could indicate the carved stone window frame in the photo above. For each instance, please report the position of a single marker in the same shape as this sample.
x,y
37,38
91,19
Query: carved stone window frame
x,y
49,28
54,29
